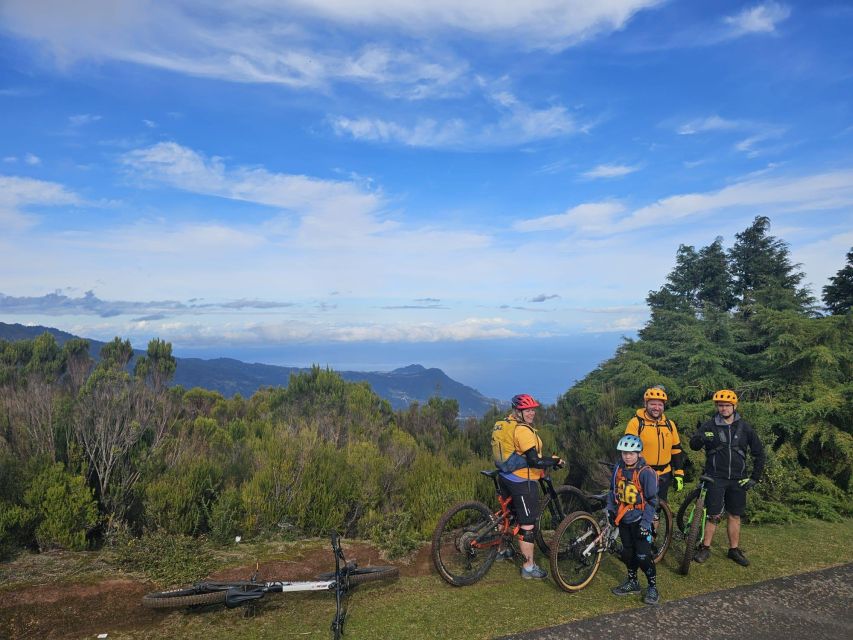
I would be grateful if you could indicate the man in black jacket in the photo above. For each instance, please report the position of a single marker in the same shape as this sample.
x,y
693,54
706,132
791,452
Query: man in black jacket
x,y
726,438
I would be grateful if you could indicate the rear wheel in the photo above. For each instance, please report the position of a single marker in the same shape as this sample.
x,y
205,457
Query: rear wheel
x,y
465,543
694,527
569,500
362,575
662,532
574,558
180,598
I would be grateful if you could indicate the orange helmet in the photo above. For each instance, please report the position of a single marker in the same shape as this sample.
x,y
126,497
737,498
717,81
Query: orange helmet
x,y
726,395
655,393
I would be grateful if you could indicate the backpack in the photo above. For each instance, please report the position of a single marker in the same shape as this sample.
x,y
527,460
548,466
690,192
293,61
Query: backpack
x,y
503,447
642,425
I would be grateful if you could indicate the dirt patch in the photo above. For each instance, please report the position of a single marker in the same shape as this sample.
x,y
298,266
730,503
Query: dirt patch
x,y
84,609
307,564
74,610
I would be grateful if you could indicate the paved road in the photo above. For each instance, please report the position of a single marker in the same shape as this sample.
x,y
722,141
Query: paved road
x,y
814,606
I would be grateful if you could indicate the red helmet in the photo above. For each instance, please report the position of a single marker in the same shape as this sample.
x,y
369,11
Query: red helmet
x,y
523,401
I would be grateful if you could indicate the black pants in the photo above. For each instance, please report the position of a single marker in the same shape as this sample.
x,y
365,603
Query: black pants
x,y
636,550
664,483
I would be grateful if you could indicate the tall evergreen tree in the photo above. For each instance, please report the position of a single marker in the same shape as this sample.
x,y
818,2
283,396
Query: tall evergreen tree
x,y
838,294
763,272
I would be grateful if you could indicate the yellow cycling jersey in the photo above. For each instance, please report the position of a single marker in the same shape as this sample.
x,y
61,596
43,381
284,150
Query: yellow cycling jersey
x,y
660,440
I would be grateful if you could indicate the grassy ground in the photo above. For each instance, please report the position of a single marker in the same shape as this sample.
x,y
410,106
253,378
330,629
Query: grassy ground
x,y
425,607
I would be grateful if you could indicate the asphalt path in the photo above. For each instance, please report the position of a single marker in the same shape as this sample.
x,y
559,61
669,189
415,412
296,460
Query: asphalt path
x,y
814,606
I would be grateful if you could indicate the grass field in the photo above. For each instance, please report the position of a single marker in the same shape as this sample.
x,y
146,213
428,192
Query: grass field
x,y
422,606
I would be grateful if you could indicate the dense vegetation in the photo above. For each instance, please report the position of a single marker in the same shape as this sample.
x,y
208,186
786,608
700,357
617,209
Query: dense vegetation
x,y
92,452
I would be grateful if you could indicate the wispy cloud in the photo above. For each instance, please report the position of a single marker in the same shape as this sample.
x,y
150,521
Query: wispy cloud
x,y
32,159
516,123
59,304
709,123
609,171
542,297
824,191
593,217
19,194
761,18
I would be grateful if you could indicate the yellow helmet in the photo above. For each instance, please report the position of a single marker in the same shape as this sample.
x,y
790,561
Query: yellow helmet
x,y
655,393
725,395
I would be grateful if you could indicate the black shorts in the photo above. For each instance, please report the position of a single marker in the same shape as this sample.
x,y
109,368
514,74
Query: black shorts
x,y
525,499
725,494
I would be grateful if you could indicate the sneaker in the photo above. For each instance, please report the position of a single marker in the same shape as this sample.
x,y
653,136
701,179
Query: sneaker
x,y
702,554
627,588
652,596
737,555
533,572
507,553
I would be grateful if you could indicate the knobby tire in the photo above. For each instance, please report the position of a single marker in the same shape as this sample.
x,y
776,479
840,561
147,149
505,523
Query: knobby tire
x,y
665,536
681,516
573,571
693,535
180,598
456,560
571,500
362,575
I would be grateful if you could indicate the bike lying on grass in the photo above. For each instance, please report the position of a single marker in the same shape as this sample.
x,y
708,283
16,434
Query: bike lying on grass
x,y
468,535
233,594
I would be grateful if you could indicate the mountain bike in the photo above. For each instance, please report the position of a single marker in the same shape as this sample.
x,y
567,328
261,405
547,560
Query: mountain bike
x,y
468,535
595,502
690,521
233,594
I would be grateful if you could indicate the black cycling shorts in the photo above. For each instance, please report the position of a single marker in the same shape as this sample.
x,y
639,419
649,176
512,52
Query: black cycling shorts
x,y
725,494
525,499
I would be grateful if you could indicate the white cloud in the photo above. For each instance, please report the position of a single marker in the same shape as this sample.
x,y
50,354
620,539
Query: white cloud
x,y
189,170
32,159
609,171
18,194
761,18
825,191
709,123
591,217
287,42
149,123
517,123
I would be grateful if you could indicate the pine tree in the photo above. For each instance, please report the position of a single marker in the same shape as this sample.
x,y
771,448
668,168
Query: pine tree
x,y
763,272
838,294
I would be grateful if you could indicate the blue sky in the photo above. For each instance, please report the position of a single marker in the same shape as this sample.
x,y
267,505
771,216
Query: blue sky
x,y
266,173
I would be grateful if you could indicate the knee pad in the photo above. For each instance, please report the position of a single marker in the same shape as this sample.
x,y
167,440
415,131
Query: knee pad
x,y
527,535
715,519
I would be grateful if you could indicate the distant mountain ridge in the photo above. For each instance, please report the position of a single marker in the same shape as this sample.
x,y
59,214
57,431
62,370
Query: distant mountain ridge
x,y
401,387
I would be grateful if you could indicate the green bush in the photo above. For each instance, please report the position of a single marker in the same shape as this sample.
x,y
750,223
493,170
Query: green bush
x,y
179,501
227,516
64,508
166,558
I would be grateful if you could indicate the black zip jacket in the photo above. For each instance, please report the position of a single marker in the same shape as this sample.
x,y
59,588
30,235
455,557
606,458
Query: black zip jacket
x,y
725,457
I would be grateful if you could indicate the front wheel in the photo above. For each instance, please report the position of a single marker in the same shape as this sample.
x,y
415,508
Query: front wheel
x,y
682,518
695,526
180,598
662,532
575,556
465,543
569,500
361,575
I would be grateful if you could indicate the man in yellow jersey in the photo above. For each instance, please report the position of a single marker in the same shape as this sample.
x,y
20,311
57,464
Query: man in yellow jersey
x,y
518,456
661,444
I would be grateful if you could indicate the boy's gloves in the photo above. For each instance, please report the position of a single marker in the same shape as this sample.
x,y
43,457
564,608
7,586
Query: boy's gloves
x,y
747,483
679,483
646,534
